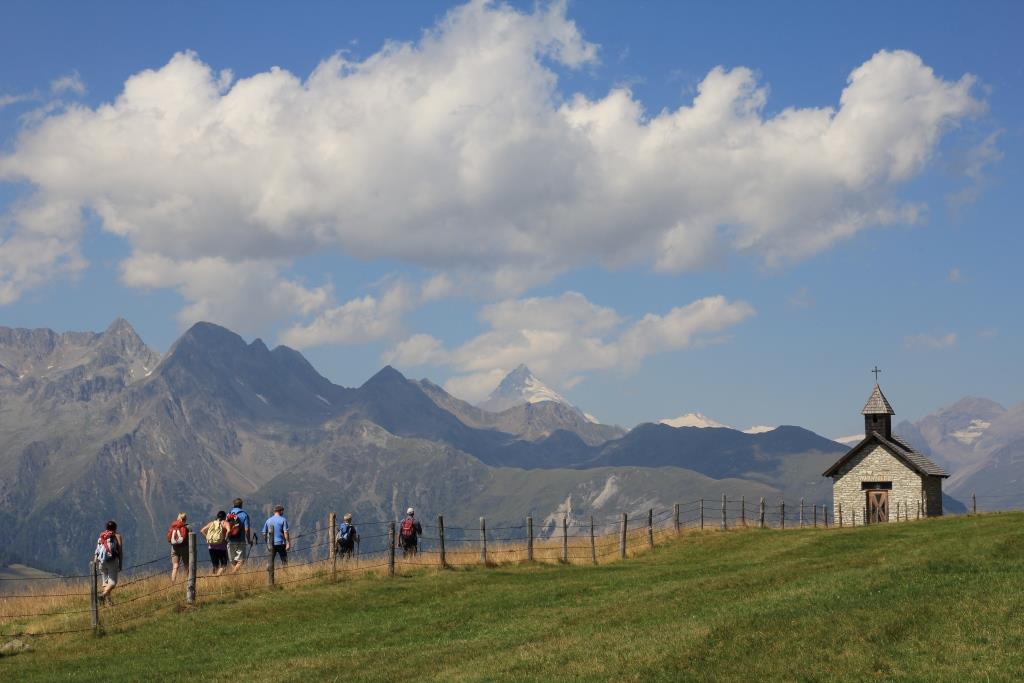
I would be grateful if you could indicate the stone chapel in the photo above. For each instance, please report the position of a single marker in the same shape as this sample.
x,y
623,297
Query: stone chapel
x,y
882,478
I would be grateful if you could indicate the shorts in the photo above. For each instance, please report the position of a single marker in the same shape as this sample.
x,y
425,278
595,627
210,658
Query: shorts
x,y
108,572
179,553
238,552
219,557
281,552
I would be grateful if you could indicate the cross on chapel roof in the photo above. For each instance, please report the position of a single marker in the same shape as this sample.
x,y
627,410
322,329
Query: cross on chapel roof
x,y
877,404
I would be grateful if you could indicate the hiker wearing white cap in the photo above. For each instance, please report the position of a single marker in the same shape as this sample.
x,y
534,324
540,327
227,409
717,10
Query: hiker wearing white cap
x,y
409,533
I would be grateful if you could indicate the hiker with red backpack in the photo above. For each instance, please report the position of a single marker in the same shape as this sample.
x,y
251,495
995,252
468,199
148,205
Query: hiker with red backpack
x,y
177,536
240,536
409,533
109,556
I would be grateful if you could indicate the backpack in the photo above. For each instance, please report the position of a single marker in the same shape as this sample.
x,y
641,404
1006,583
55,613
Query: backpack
x,y
215,533
345,534
408,529
236,530
107,547
177,534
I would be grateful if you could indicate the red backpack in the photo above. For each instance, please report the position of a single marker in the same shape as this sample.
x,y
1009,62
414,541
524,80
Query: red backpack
x,y
178,533
108,541
408,529
236,530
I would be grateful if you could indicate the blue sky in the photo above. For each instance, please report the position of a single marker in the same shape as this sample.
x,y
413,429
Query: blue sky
x,y
733,208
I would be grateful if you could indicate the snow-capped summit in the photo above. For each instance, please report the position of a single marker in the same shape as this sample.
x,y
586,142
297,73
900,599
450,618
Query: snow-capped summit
x,y
759,429
693,420
518,387
701,420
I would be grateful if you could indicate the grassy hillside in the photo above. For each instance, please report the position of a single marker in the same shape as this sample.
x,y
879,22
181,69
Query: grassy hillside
x,y
937,599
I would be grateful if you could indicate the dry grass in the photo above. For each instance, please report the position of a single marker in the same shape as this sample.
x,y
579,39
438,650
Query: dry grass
x,y
59,606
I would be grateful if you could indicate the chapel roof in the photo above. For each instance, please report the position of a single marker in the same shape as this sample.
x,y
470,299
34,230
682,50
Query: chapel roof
x,y
898,448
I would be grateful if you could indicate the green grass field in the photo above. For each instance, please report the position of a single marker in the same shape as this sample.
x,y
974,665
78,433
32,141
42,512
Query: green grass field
x,y
931,600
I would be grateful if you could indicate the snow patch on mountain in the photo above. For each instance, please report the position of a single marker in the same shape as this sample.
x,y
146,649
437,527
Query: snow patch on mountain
x,y
694,420
849,440
970,434
759,429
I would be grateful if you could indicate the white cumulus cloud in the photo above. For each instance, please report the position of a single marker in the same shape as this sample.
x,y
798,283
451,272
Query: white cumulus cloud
x,y
562,337
459,153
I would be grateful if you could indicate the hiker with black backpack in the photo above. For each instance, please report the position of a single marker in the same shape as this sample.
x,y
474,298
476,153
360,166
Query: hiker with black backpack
x,y
216,533
109,556
347,537
177,536
239,535
409,533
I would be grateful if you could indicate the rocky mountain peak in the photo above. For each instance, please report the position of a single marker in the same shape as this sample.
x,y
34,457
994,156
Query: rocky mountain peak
x,y
386,376
518,387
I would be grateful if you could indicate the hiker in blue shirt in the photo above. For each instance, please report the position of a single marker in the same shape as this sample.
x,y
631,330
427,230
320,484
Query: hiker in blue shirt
x,y
347,537
276,531
239,536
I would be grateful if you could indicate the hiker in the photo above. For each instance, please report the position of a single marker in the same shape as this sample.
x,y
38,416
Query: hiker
x,y
109,557
239,535
347,537
216,534
276,531
177,536
409,533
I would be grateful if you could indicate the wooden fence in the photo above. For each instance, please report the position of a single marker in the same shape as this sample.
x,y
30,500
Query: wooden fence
x,y
72,605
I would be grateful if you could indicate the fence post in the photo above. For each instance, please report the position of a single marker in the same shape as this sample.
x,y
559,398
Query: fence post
x,y
190,584
270,557
440,538
622,537
94,600
782,512
840,505
593,547
565,539
332,522
801,513
675,516
483,541
725,524
760,514
529,539
824,514
702,514
815,515
391,548
743,511
974,504
650,528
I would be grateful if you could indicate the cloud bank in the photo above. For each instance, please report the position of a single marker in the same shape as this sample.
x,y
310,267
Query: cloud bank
x,y
458,154
562,337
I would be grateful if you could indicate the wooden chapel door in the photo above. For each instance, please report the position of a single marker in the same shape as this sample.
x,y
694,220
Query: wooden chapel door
x,y
878,506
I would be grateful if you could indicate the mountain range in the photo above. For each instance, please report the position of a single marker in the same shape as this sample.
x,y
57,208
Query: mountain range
x,y
99,426
981,443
